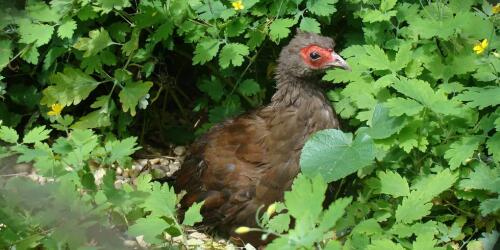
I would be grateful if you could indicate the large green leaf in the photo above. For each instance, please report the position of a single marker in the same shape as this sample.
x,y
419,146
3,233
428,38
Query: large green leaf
x,y
334,154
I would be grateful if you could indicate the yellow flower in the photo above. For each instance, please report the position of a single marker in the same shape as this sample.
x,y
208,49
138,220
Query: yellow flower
x,y
480,47
238,5
242,230
496,8
55,109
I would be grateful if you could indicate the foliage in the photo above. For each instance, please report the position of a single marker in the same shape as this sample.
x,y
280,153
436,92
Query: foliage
x,y
420,114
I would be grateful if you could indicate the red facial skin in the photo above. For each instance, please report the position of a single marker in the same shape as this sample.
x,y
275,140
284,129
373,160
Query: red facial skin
x,y
325,53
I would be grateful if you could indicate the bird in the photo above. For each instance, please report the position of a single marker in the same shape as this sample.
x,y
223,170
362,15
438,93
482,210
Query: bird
x,y
248,162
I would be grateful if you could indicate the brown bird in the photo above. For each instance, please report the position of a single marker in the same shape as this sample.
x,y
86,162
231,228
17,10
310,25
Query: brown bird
x,y
250,161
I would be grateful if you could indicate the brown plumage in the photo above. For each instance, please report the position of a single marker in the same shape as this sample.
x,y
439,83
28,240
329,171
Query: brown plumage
x,y
251,160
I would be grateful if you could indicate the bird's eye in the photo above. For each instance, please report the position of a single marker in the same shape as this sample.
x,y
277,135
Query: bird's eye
x,y
314,55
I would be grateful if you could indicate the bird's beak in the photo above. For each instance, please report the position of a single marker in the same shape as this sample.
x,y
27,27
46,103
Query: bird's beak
x,y
339,62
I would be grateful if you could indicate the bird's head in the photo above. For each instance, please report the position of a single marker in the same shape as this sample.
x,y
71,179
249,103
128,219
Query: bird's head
x,y
307,54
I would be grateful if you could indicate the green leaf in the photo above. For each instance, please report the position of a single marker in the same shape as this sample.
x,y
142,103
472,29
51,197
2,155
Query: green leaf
x,y
150,227
39,34
121,149
322,7
489,206
249,87
279,223
210,9
108,5
425,242
382,125
132,93
384,244
310,25
8,134
69,87
31,55
375,58
213,88
482,177
412,208
205,50
306,189
399,106
334,155
493,145
462,150
192,215
403,57
96,42
386,5
5,53
392,183
280,28
133,44
66,29
481,97
334,212
37,134
373,16
232,53
40,11
161,201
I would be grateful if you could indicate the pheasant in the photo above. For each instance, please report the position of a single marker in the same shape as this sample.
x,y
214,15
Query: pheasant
x,y
249,161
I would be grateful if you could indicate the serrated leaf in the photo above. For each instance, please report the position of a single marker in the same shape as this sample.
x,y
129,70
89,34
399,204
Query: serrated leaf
x,y
306,189
233,53
96,42
108,5
322,7
205,50
37,134
133,44
489,206
210,9
399,106
375,58
482,177
66,29
392,183
462,149
39,34
310,25
161,201
121,149
279,223
213,88
280,28
249,87
481,97
334,155
334,212
192,215
386,5
372,16
412,208
150,227
132,93
403,57
69,87
384,244
8,134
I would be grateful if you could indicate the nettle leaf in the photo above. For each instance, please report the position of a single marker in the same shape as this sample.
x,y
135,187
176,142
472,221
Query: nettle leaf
x,y
192,215
392,183
249,87
399,106
5,53
462,150
205,50
8,134
37,134
70,87
481,97
382,125
132,93
482,177
310,24
96,42
232,53
151,228
280,28
334,155
38,34
322,7
66,29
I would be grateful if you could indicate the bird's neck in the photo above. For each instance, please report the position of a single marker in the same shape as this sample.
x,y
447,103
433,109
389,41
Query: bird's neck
x,y
295,91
